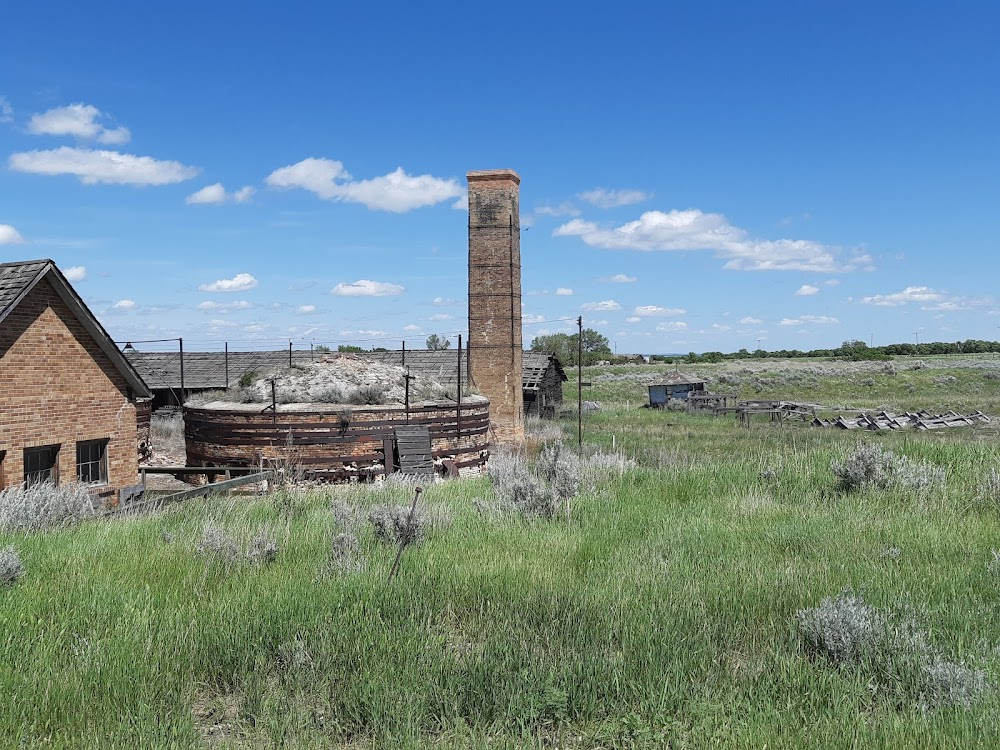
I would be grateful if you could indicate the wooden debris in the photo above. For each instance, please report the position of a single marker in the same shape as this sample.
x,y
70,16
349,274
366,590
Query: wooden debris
x,y
921,420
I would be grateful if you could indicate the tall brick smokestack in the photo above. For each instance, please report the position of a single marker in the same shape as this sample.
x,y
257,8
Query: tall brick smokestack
x,y
495,355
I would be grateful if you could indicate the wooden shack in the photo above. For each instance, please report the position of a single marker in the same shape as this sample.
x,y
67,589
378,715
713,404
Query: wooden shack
x,y
676,385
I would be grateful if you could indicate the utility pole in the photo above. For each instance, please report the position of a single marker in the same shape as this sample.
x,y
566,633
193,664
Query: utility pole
x,y
579,382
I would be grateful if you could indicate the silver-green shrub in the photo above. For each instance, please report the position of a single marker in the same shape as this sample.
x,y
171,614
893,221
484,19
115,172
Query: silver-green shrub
x,y
345,556
561,468
44,506
890,650
872,466
519,489
263,549
216,544
394,524
11,567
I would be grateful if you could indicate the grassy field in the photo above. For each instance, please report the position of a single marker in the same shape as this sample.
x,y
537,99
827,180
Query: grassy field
x,y
660,613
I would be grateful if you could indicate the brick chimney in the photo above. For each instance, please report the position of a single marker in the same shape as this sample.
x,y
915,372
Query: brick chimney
x,y
495,355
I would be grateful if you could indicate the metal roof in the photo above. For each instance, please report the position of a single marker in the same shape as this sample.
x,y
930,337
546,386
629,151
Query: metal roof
x,y
18,279
203,370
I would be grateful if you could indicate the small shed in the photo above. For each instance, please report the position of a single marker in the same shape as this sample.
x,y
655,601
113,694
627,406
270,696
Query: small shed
x,y
542,381
676,385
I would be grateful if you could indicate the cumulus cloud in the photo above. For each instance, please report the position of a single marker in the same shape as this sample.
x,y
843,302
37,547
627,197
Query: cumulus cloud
x,y
367,288
607,305
305,309
212,306
921,294
693,230
124,304
9,235
750,321
442,301
6,111
529,319
94,166
613,198
620,278
649,311
442,316
807,290
411,327
672,325
396,192
216,194
79,121
563,292
808,320
75,273
563,209
633,319
241,282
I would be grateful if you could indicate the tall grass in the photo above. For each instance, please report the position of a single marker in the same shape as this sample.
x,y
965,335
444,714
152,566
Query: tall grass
x,y
662,612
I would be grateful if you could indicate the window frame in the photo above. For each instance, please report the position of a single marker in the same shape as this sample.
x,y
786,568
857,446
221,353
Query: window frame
x,y
101,461
32,478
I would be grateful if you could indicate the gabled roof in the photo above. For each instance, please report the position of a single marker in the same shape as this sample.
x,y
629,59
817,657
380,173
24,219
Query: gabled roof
x,y
18,279
677,378
534,365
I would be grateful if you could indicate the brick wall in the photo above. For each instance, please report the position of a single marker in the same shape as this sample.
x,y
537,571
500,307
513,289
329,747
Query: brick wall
x,y
495,297
56,388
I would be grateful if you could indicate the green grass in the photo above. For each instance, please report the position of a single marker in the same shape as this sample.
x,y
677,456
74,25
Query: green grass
x,y
661,614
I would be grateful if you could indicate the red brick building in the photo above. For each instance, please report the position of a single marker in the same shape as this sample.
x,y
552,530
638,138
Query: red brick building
x,y
67,395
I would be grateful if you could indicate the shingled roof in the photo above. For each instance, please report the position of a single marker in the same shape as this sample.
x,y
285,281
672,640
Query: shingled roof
x,y
18,279
203,370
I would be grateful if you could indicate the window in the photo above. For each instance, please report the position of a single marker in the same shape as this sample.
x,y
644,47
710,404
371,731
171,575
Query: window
x,y
41,465
92,461
3,478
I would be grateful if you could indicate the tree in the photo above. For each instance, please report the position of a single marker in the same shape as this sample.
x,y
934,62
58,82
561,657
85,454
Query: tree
x,y
349,348
321,348
436,343
565,347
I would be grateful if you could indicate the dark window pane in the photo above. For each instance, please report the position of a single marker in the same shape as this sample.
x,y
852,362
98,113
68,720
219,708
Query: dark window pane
x,y
91,461
40,465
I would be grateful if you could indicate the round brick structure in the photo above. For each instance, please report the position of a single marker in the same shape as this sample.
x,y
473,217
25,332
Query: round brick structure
x,y
332,441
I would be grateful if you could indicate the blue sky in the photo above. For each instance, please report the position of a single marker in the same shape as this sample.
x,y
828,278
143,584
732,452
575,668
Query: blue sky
x,y
695,176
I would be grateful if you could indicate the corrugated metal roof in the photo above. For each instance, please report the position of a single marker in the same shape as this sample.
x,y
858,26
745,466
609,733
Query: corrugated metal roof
x,y
208,369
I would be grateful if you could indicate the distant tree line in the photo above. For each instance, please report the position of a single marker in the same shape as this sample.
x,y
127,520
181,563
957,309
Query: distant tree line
x,y
851,350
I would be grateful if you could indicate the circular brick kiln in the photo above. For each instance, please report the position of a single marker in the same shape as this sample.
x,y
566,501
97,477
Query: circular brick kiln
x,y
334,441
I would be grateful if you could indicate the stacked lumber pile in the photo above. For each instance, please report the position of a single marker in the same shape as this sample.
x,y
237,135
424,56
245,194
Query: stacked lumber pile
x,y
920,420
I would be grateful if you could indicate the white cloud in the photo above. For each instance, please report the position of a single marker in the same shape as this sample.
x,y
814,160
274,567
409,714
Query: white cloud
x,y
411,327
529,319
305,309
6,111
750,321
563,209
79,121
620,278
607,305
442,316
216,194
922,294
462,202
808,319
649,311
716,328
396,192
694,230
217,323
211,306
93,167
831,282
807,290
633,319
673,325
241,282
124,304
366,288
613,198
75,273
9,235
563,292
442,301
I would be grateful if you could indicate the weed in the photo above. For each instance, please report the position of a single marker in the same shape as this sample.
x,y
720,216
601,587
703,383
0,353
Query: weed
x,y
988,491
872,466
247,379
518,488
993,565
345,556
367,395
263,549
44,506
561,468
11,567
394,524
216,544
890,650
